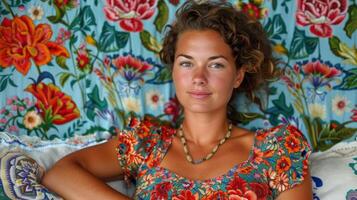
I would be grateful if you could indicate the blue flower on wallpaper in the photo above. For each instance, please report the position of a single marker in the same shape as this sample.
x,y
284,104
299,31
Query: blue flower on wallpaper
x,y
320,75
133,72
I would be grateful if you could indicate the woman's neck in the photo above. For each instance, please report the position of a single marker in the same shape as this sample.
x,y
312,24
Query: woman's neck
x,y
203,129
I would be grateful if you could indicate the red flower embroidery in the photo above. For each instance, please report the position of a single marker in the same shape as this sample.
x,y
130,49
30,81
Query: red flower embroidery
x,y
186,195
172,108
131,68
319,69
292,144
240,195
216,195
21,40
261,190
55,106
354,116
283,164
320,15
129,13
161,191
237,184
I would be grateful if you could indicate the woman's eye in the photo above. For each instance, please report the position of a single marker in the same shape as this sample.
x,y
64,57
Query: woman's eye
x,y
185,64
217,65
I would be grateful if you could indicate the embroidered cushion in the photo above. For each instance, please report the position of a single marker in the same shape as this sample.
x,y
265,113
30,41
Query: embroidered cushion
x,y
334,172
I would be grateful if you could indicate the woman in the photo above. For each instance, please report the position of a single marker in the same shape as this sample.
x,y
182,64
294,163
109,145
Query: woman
x,y
214,51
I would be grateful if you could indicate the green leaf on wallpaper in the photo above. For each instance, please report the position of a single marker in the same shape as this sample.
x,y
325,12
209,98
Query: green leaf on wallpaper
x,y
280,108
301,45
84,20
94,103
111,40
94,129
58,17
281,104
341,49
73,39
350,81
334,43
12,83
328,137
3,12
5,80
61,61
351,24
275,27
150,42
77,79
64,76
3,83
274,4
162,16
162,76
17,3
272,91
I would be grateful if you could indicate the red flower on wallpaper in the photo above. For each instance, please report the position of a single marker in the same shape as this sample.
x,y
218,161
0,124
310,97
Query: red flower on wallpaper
x,y
173,108
354,115
131,68
54,106
320,15
21,41
320,69
130,13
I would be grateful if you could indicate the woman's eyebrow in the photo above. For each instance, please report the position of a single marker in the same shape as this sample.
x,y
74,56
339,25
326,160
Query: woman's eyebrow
x,y
184,55
210,58
216,57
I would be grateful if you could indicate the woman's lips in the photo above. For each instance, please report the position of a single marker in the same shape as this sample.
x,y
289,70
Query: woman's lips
x,y
199,94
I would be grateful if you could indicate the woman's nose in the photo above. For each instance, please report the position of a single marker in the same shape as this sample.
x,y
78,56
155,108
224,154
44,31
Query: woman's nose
x,y
199,77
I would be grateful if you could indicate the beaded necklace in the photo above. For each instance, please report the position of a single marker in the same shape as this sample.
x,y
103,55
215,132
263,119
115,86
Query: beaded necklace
x,y
210,155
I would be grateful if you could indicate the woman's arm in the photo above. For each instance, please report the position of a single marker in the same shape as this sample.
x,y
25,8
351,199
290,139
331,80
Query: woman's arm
x,y
81,175
302,191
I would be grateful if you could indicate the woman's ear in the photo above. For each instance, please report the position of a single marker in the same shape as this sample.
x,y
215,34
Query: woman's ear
x,y
239,77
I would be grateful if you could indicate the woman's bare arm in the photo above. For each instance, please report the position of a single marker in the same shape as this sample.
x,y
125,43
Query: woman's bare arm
x,y
302,191
81,175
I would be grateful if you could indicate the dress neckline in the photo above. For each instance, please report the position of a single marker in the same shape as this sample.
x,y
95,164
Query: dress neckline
x,y
229,172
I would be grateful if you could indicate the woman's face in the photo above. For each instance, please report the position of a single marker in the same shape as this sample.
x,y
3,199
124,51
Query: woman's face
x,y
204,71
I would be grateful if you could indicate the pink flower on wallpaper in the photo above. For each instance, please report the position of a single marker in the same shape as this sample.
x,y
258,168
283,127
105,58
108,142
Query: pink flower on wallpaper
x,y
129,13
320,15
319,69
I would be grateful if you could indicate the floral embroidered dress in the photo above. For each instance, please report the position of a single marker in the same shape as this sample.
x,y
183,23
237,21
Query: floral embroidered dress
x,y
278,161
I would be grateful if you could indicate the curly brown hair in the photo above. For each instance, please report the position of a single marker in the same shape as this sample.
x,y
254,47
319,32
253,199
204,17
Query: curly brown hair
x,y
245,36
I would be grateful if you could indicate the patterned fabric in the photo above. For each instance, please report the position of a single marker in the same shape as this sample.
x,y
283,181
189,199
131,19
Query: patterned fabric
x,y
23,172
334,172
78,66
278,161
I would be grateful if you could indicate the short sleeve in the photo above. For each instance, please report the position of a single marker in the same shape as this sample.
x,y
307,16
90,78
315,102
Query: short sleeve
x,y
289,164
136,142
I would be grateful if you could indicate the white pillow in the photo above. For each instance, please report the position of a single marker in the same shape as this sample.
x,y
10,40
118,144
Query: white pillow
x,y
334,172
46,153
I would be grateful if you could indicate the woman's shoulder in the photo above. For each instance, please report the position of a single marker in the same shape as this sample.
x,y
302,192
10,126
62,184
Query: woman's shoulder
x,y
280,132
282,154
146,132
282,140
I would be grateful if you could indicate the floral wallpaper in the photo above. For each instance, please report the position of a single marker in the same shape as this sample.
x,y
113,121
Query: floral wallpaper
x,y
78,67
